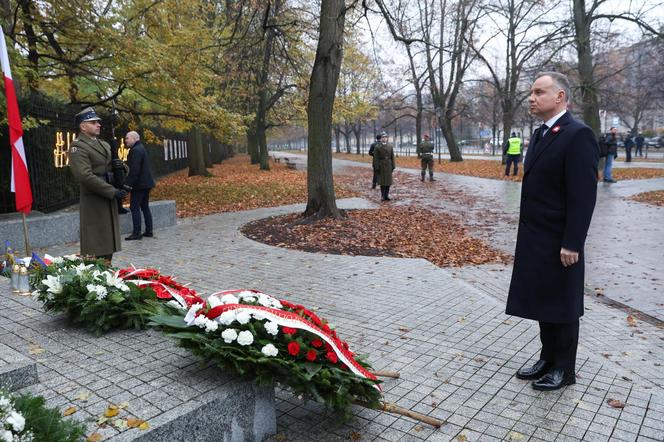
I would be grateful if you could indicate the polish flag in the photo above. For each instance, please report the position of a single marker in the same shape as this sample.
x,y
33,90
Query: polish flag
x,y
20,179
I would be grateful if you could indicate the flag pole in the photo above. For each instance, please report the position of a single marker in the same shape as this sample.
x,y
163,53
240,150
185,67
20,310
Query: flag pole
x,y
25,236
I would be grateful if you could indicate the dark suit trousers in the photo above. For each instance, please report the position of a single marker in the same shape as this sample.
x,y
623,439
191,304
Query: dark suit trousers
x,y
139,202
559,344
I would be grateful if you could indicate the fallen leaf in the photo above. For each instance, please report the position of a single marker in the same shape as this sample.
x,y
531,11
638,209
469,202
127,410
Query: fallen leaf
x,y
515,435
133,422
35,349
631,321
69,411
120,424
418,428
354,435
123,405
95,437
112,411
404,329
83,396
462,438
615,403
144,426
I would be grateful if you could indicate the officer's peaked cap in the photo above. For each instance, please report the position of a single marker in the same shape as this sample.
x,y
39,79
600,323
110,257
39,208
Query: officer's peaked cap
x,y
87,114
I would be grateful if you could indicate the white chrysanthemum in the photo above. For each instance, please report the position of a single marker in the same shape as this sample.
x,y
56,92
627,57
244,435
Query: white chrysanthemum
x,y
200,321
227,318
214,301
211,326
249,299
272,328
269,350
16,420
100,290
229,335
71,257
58,260
53,283
243,317
264,300
245,338
229,299
4,402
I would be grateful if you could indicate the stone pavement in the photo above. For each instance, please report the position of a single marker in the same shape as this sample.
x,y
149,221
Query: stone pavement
x,y
625,241
444,329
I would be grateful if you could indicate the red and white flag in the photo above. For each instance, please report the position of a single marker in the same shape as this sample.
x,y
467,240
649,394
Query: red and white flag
x,y
20,178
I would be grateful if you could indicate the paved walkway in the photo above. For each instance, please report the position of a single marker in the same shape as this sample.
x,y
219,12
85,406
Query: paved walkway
x,y
625,241
444,329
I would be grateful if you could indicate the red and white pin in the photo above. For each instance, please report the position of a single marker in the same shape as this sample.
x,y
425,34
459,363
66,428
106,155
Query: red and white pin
x,y
555,129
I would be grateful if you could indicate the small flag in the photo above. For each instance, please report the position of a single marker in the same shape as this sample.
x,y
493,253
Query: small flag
x,y
37,261
20,184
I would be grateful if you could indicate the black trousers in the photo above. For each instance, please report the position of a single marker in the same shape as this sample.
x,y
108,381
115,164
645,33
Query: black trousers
x,y
385,192
559,344
140,202
512,159
374,180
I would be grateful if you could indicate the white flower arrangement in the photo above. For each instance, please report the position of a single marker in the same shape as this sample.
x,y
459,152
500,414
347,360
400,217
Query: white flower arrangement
x,y
272,328
12,423
243,317
229,335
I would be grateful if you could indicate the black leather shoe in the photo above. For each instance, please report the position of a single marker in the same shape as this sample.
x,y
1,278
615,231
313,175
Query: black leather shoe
x,y
148,235
133,237
554,380
535,371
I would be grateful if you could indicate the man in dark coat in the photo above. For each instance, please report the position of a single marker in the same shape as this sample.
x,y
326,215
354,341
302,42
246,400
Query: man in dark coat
x,y
557,202
372,148
139,181
639,140
90,163
384,164
629,144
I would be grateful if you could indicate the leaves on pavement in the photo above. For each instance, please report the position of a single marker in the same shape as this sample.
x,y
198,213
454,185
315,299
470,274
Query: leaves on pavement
x,y
655,197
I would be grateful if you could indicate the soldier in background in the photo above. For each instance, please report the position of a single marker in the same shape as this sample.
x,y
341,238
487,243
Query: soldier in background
x,y
90,163
425,154
372,148
383,164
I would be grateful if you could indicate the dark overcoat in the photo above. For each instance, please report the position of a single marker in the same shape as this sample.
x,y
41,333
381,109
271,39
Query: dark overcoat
x,y
557,201
90,161
383,163
140,175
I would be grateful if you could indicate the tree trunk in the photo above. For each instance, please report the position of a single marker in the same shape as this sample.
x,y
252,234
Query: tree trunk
x,y
358,136
347,139
323,85
207,155
445,123
589,100
252,143
337,137
196,158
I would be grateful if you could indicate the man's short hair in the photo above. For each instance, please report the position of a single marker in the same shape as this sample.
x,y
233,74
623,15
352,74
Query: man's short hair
x,y
559,80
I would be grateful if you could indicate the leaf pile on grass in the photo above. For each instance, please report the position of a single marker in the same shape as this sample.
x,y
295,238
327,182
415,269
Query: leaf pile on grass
x,y
655,197
405,232
235,185
636,173
495,170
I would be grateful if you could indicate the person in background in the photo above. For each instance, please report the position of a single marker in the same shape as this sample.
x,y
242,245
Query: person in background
x,y
611,141
638,141
513,151
425,154
372,149
140,182
629,144
383,163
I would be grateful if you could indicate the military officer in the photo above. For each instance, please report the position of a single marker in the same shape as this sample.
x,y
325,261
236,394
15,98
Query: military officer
x,y
425,154
90,162
372,148
383,164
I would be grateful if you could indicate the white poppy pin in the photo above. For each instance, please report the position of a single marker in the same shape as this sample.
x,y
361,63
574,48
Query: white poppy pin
x,y
555,129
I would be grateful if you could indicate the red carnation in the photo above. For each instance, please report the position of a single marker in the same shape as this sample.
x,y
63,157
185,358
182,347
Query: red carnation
x,y
289,330
332,357
311,355
161,292
293,348
317,343
328,347
326,328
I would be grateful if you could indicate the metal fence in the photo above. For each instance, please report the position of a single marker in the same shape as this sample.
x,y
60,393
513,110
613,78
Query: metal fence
x,y
46,141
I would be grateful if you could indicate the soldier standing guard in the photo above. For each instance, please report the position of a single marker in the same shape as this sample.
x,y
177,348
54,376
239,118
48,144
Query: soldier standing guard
x,y
383,163
425,154
90,162
372,148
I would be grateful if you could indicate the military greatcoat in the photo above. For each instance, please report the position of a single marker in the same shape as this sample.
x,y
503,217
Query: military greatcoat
x,y
90,162
383,162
